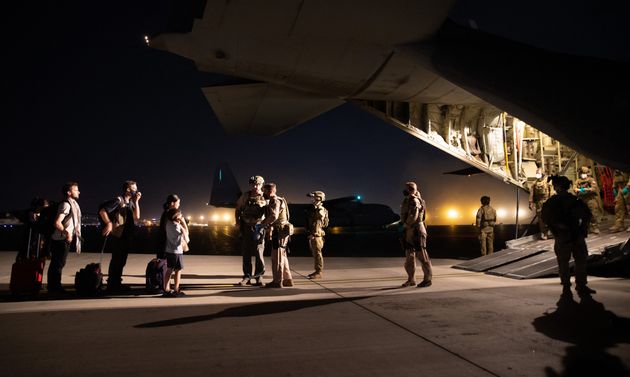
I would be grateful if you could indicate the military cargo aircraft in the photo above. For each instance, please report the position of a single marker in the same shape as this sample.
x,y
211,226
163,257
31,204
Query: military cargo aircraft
x,y
506,87
504,100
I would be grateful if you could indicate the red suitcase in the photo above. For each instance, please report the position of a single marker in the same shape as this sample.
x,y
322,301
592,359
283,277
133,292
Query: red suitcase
x,y
27,273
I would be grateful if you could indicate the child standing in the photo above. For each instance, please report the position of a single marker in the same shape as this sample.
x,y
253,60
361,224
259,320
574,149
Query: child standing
x,y
176,237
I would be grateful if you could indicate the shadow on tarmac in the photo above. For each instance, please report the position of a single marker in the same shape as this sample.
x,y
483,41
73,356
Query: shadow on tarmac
x,y
591,329
250,310
196,276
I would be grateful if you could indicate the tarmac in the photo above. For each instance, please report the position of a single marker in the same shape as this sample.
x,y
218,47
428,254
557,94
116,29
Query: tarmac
x,y
357,321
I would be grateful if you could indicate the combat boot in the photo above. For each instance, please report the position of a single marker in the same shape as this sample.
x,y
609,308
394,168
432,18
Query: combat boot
x,y
615,229
287,282
425,283
583,290
566,292
315,276
273,284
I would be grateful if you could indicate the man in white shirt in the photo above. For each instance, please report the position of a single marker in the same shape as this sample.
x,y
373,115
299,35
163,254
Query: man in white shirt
x,y
67,235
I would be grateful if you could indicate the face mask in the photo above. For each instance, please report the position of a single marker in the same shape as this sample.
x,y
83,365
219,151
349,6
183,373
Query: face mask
x,y
538,175
583,176
405,192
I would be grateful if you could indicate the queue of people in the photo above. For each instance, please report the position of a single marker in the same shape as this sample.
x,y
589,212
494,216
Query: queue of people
x,y
262,216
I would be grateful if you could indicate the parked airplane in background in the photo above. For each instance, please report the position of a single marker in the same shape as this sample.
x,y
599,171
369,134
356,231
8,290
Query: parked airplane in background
x,y
348,211
503,86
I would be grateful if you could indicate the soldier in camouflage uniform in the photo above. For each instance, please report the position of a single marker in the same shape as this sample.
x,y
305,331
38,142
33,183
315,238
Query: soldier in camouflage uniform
x,y
316,221
568,220
539,192
621,190
587,190
485,220
250,211
412,213
277,222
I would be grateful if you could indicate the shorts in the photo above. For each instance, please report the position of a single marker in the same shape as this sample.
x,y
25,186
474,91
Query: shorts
x,y
175,261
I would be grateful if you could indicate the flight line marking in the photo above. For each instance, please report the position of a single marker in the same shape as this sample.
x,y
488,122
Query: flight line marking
x,y
417,334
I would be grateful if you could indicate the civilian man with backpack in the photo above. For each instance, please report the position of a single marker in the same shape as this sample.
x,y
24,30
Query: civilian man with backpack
x,y
119,216
66,235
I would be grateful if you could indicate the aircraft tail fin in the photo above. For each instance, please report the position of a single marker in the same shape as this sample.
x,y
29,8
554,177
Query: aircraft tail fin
x,y
225,189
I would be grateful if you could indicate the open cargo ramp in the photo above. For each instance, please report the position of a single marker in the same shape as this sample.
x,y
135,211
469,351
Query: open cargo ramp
x,y
500,258
529,257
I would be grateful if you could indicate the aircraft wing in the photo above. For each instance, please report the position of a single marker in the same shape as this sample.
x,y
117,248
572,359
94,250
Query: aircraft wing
x,y
263,108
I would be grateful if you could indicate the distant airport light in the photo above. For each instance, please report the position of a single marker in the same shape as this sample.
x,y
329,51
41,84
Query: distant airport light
x,y
214,217
189,218
201,218
452,214
358,197
146,39
226,217
522,212
501,212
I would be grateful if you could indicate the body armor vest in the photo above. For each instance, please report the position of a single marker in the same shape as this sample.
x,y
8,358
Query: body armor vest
x,y
541,190
587,183
253,210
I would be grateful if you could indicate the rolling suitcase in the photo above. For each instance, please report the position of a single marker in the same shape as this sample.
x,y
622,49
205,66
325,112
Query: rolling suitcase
x,y
27,273
88,281
156,275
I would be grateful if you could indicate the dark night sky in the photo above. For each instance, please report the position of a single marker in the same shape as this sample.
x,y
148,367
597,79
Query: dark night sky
x,y
91,102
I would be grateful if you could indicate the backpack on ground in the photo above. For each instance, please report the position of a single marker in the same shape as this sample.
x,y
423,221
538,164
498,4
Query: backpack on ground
x,y
156,275
88,281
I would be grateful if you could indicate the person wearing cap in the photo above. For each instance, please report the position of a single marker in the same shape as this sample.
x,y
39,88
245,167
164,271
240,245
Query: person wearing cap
x,y
250,211
539,192
587,190
568,219
316,221
412,214
276,223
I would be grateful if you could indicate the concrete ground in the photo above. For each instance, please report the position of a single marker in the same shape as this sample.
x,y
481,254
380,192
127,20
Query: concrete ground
x,y
354,322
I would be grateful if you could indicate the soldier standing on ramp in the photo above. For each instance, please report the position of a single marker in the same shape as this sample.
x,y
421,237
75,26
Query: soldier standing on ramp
x,y
621,190
587,190
412,213
539,192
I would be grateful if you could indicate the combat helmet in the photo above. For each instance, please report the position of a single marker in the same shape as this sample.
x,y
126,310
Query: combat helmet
x,y
319,195
256,180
